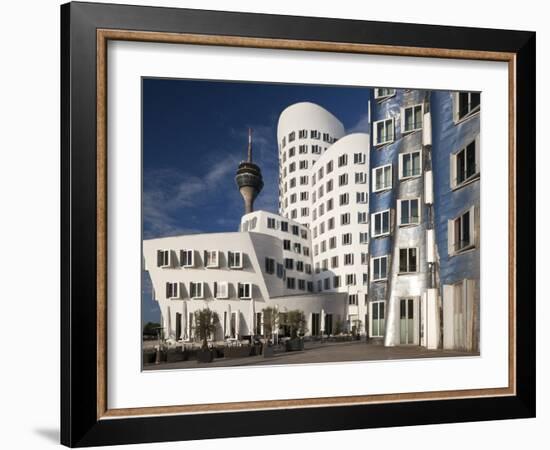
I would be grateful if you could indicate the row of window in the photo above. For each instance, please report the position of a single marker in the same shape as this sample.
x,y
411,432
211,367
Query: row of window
x,y
188,258
346,239
296,247
196,290
308,134
348,260
275,224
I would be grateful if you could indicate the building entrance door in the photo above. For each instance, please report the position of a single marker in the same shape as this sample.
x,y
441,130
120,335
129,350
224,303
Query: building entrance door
x,y
178,326
407,319
315,324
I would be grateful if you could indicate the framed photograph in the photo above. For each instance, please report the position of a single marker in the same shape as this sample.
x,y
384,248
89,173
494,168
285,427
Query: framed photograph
x,y
277,224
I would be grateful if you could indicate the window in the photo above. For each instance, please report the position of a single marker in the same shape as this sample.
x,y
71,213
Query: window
x,y
336,281
321,209
302,134
211,258
352,299
321,191
350,279
378,323
344,199
408,211
284,226
289,263
271,223
310,286
359,158
308,269
293,198
297,247
360,177
303,164
164,258
245,290
330,167
304,180
235,260
286,244
461,232
294,214
187,258
291,283
326,283
380,268
291,136
323,246
364,258
348,259
465,104
382,93
332,242
343,179
196,289
334,262
363,237
383,131
304,212
411,119
330,223
465,164
382,178
292,167
291,152
346,239
315,249
284,142
345,219
253,223
293,182
342,160
280,270
316,149
221,289
295,230
319,285
172,290
410,165
299,266
330,185
380,223
305,250
365,282
302,285
314,134
362,217
408,260
326,137
362,197
322,228
302,149
269,265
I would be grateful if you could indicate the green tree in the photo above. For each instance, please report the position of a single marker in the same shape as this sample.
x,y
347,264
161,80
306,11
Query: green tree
x,y
271,321
206,323
296,321
150,329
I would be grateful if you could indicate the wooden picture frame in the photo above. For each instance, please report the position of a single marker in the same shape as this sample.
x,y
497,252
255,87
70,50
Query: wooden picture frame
x,y
85,417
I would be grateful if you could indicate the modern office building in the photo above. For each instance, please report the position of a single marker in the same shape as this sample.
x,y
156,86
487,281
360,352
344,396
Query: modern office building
x,y
361,239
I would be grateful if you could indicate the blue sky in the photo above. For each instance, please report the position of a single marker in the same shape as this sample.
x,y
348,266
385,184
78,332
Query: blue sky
x,y
195,135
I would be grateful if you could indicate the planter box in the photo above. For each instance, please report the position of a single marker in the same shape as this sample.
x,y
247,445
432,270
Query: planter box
x,y
149,357
237,352
205,356
174,356
268,351
294,345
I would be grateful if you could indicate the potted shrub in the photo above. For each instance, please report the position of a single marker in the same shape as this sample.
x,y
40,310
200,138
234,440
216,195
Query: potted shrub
x,y
295,320
271,324
206,324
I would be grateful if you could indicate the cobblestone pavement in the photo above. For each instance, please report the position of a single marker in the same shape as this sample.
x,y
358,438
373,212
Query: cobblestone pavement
x,y
321,353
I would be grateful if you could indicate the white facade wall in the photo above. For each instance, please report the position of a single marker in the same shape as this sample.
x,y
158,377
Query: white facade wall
x,y
320,129
267,289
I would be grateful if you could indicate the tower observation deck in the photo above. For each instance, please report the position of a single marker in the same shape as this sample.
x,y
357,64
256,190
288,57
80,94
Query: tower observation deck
x,y
249,179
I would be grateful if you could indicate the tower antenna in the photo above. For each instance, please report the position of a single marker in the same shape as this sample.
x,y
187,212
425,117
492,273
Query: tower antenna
x,y
250,145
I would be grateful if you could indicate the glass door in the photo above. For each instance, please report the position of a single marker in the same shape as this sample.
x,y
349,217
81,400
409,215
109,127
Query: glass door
x,y
406,321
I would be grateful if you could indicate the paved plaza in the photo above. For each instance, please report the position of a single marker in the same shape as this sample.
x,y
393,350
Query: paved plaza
x,y
316,352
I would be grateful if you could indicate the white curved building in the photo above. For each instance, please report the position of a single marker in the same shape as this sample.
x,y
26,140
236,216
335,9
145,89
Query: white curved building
x,y
305,131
